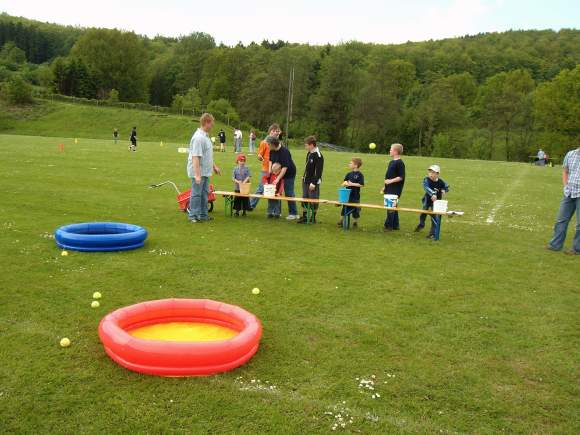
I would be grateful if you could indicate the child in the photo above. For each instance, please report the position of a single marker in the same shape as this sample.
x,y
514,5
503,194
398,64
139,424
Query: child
x,y
353,181
274,205
115,135
222,137
434,188
312,177
394,183
240,175
133,139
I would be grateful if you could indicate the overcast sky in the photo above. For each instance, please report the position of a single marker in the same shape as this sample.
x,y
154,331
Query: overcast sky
x,y
313,21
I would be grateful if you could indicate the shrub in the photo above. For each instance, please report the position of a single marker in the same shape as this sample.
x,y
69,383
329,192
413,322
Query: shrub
x,y
17,91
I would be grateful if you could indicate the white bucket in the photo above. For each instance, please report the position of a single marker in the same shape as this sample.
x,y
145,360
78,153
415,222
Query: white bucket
x,y
182,150
391,200
440,206
270,190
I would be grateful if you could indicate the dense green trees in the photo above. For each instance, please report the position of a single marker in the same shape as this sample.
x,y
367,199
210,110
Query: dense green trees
x,y
492,96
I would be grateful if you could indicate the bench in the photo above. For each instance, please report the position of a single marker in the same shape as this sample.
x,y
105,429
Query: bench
x,y
437,217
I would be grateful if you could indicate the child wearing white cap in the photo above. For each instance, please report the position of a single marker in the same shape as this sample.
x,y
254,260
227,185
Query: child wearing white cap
x,y
434,188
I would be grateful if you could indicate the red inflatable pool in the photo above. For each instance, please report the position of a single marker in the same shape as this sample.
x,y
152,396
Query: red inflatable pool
x,y
180,337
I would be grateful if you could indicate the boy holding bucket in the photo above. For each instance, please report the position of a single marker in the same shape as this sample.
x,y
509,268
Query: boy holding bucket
x,y
353,181
241,175
312,178
434,188
394,183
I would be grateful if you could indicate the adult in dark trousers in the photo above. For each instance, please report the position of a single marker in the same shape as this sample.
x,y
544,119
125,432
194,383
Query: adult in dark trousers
x,y
115,135
264,157
312,177
569,205
200,167
282,155
133,139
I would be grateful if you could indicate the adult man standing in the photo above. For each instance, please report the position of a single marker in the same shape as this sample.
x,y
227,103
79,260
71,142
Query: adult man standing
x,y
569,205
312,177
264,157
200,167
541,156
280,154
238,140
222,137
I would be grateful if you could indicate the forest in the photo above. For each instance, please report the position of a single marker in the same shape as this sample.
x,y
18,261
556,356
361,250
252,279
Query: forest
x,y
493,96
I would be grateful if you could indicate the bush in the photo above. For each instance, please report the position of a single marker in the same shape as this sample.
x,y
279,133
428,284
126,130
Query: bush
x,y
17,91
223,110
113,96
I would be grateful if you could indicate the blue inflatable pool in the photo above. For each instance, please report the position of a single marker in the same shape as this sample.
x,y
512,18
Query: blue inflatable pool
x,y
100,236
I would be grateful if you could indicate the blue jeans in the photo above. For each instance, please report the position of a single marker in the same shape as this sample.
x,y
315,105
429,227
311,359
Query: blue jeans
x,y
289,192
198,199
238,143
567,208
251,146
274,207
259,191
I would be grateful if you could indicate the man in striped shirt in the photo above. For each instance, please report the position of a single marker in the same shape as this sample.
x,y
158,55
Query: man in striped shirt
x,y
569,205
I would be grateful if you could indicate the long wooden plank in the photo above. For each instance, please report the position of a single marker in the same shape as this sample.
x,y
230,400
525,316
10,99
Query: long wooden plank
x,y
337,203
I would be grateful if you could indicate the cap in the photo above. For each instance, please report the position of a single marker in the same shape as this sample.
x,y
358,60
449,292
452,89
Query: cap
x,y
241,158
435,168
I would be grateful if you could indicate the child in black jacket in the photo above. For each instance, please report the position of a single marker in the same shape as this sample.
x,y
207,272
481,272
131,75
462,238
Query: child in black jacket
x,y
312,177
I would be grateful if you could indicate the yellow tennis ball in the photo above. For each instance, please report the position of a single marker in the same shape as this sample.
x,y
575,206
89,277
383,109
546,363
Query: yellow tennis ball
x,y
372,145
95,304
64,253
256,291
64,342
97,295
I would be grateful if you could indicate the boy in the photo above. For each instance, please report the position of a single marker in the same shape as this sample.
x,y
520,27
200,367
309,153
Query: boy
x,y
434,188
312,177
274,205
115,135
394,183
222,137
353,181
240,175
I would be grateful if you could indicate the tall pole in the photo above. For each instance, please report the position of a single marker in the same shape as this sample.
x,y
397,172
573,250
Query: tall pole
x,y
290,102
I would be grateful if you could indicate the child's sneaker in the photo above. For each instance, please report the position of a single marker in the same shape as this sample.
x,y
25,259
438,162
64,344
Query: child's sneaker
x,y
355,224
237,214
419,228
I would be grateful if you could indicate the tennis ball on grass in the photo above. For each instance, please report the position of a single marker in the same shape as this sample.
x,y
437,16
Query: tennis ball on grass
x,y
95,304
64,342
256,291
64,253
96,295
372,145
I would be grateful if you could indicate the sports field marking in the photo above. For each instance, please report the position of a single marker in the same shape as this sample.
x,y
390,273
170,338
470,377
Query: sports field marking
x,y
500,203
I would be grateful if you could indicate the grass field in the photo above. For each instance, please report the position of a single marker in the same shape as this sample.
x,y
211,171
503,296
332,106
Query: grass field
x,y
475,334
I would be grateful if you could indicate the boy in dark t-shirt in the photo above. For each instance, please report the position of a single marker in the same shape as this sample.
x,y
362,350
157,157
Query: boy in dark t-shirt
x,y
434,188
394,183
353,181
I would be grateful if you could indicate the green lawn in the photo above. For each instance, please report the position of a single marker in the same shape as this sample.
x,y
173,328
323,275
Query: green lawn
x,y
475,334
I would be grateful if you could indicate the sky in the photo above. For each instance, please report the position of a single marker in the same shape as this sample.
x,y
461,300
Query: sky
x,y
306,21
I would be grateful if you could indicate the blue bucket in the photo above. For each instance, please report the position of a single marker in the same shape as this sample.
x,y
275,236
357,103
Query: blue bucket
x,y
343,194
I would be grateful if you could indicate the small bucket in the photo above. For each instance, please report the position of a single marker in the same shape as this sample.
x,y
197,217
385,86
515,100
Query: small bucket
x,y
391,200
440,206
245,188
270,190
343,194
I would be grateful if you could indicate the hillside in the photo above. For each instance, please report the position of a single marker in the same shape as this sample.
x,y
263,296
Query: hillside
x,y
72,120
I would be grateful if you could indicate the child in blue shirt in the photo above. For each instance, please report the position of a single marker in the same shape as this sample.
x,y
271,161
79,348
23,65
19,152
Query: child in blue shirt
x,y
353,181
434,188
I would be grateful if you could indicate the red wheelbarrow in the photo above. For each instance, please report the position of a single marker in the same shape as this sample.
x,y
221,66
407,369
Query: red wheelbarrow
x,y
183,197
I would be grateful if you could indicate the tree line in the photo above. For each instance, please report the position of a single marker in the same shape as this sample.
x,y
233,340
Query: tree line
x,y
486,96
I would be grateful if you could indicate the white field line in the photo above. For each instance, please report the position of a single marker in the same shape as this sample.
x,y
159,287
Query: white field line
x,y
500,202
